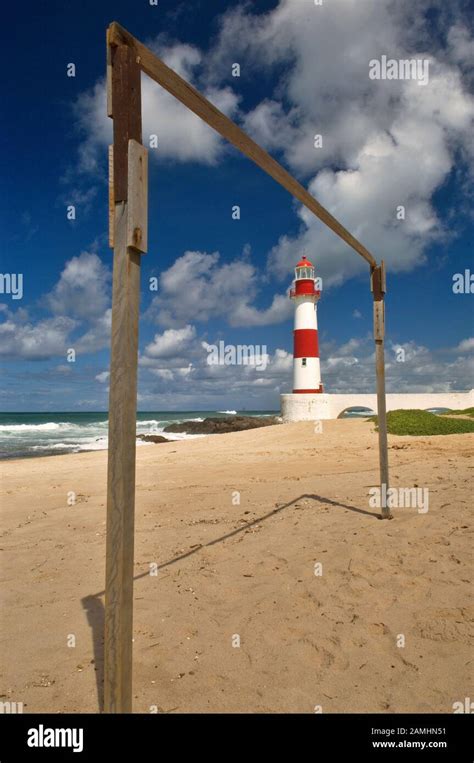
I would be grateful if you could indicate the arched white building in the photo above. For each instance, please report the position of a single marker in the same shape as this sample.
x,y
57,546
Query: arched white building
x,y
327,406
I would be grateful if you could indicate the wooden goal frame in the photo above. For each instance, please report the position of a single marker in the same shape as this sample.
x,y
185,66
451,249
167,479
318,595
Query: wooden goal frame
x,y
127,58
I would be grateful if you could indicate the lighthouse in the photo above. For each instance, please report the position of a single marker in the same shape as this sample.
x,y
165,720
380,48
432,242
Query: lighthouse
x,y
306,368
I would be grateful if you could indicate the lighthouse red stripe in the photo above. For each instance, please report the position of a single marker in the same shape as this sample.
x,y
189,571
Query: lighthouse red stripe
x,y
305,343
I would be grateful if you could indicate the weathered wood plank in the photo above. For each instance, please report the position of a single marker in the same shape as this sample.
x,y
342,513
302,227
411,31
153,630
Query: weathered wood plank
x,y
382,423
126,78
378,286
379,320
111,198
196,102
121,472
137,225
109,75
377,281
126,93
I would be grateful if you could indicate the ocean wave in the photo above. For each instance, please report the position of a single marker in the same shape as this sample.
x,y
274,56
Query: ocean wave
x,y
157,427
231,413
172,436
100,443
57,446
48,427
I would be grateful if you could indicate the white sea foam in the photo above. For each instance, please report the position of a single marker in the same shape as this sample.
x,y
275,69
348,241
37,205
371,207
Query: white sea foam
x,y
101,443
57,446
181,435
49,427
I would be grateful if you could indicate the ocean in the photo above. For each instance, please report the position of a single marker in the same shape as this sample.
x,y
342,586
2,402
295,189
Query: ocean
x,y
26,435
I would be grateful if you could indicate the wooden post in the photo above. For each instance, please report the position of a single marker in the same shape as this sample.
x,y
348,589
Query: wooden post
x,y
378,286
126,109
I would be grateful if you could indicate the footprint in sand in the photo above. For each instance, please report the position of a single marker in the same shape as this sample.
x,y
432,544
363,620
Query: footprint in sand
x,y
448,625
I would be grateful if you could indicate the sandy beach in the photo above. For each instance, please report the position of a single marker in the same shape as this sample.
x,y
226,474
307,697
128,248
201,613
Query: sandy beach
x,y
236,524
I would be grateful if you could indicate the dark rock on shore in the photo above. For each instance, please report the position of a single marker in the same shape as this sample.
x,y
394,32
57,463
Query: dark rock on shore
x,y
217,425
152,438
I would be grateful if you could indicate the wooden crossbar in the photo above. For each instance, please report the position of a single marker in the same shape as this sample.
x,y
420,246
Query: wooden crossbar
x,y
155,68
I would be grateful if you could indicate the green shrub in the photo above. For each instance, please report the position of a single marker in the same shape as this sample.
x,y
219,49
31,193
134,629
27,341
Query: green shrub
x,y
422,423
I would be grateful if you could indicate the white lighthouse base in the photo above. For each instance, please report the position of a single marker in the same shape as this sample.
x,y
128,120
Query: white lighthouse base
x,y
314,407
305,407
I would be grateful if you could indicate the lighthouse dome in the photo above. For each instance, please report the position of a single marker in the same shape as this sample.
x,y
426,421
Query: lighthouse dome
x,y
305,280
304,263
304,269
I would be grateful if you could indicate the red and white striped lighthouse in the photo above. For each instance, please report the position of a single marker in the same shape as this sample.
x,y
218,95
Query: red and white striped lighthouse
x,y
306,368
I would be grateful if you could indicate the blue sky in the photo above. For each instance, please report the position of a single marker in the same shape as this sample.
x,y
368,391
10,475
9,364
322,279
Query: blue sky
x,y
304,71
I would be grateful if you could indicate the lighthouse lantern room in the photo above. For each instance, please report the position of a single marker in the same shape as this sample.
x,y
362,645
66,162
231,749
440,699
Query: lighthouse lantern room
x,y
306,368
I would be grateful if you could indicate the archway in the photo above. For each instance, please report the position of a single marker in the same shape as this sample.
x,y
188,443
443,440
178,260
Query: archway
x,y
356,412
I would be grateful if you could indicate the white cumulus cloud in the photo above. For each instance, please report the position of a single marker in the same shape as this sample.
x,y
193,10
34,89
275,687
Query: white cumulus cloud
x,y
198,287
